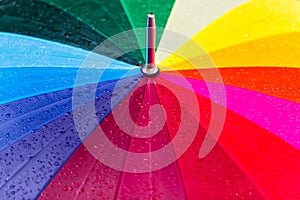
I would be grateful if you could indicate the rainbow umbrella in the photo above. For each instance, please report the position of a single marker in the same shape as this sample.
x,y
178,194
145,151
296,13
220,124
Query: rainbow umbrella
x,y
84,114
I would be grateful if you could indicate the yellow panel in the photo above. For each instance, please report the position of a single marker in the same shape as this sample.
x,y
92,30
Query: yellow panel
x,y
253,20
274,51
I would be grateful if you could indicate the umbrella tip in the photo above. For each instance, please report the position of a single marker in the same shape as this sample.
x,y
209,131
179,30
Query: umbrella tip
x,y
151,15
150,69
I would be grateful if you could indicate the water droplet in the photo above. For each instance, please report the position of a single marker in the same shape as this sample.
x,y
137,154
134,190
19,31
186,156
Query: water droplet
x,y
65,188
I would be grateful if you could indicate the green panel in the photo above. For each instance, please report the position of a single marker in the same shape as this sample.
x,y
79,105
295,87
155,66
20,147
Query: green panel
x,y
105,16
44,21
138,10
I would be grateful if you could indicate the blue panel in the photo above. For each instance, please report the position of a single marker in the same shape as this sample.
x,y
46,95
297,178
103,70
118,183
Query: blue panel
x,y
31,113
18,83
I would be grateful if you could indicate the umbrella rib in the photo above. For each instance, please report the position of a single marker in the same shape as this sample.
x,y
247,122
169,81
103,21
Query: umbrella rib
x,y
85,179
122,173
177,164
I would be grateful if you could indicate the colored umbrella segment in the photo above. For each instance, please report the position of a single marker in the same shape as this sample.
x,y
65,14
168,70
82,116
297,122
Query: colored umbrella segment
x,y
108,18
41,20
272,51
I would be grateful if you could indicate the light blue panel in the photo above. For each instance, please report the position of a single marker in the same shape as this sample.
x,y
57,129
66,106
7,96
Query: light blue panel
x,y
31,66
25,51
19,50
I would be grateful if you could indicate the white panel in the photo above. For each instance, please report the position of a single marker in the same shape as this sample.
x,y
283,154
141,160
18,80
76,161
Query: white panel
x,y
188,17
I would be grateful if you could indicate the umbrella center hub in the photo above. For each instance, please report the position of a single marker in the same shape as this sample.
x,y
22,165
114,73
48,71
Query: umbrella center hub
x,y
150,70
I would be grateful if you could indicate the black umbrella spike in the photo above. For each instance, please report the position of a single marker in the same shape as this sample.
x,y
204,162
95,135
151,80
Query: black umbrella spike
x,y
150,69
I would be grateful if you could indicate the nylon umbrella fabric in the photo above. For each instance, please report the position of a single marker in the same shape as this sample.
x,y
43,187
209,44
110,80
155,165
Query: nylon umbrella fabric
x,y
220,121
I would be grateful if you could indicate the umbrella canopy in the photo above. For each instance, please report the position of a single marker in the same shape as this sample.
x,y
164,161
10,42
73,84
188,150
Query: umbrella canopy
x,y
79,120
